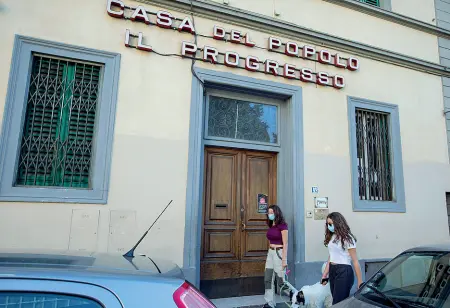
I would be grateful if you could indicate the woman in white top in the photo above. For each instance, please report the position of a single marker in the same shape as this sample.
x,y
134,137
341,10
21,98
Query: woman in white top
x,y
341,245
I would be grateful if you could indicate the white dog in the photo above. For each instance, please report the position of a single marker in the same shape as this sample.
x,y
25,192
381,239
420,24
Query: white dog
x,y
314,296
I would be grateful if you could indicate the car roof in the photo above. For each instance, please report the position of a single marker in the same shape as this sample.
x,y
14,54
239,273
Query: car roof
x,y
131,281
85,262
430,248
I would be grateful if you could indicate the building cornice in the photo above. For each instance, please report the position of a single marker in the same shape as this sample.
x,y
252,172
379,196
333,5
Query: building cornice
x,y
392,17
273,26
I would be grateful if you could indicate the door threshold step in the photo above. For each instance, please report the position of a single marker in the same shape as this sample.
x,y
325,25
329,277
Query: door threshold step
x,y
256,301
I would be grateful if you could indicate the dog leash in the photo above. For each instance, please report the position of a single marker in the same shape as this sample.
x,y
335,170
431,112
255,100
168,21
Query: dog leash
x,y
286,285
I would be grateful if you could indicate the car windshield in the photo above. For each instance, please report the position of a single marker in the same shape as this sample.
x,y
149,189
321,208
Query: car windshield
x,y
417,279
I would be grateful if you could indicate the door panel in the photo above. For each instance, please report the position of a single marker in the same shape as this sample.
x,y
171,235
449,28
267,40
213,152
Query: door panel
x,y
234,244
220,249
255,243
219,243
221,188
260,178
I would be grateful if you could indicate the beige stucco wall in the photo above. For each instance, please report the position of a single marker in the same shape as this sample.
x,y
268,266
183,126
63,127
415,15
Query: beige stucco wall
x,y
422,10
425,161
149,165
353,25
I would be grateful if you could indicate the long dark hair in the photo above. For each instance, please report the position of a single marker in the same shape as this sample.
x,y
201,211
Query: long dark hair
x,y
341,229
279,218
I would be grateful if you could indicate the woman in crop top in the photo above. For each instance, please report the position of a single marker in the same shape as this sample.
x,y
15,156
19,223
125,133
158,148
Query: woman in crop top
x,y
276,262
341,245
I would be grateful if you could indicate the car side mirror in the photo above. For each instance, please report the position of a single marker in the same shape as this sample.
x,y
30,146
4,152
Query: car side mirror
x,y
379,280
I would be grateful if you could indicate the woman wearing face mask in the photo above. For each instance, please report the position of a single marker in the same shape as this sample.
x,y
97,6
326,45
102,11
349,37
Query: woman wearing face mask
x,y
341,245
277,256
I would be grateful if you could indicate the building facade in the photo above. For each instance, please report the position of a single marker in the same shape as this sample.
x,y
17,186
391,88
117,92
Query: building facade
x,y
112,108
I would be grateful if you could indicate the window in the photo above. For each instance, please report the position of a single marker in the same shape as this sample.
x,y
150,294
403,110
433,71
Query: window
x,y
383,4
25,300
64,98
242,120
376,156
371,2
58,130
371,7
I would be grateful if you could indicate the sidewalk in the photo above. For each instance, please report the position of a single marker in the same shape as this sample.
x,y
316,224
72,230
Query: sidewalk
x,y
248,302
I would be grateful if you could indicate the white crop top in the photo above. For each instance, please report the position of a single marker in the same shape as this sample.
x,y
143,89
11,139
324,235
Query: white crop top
x,y
339,255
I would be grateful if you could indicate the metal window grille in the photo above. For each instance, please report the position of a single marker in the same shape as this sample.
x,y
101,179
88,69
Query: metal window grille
x,y
58,132
374,155
371,2
236,119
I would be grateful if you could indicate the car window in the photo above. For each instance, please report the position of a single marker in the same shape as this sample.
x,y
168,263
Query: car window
x,y
44,300
413,279
413,271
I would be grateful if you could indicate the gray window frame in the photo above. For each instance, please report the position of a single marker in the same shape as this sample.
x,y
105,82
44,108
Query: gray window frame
x,y
386,5
259,100
398,203
14,116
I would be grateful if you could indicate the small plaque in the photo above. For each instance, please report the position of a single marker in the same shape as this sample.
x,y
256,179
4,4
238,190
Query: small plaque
x,y
262,203
321,203
315,189
321,214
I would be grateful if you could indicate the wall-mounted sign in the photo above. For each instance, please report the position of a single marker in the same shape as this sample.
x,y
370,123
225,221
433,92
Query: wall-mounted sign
x,y
321,203
292,50
321,214
262,203
315,189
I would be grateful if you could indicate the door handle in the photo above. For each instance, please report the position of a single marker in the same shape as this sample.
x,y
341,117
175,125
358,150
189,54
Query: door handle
x,y
243,226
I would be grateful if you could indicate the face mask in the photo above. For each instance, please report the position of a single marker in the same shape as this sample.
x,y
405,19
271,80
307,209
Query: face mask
x,y
331,228
271,216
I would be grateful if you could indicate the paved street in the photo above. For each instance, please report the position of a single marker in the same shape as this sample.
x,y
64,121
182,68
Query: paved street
x,y
247,302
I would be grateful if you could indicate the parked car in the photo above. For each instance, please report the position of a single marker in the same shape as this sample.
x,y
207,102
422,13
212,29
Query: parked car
x,y
418,277
89,280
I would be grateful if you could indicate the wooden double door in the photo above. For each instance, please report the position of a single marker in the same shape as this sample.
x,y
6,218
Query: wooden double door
x,y
234,243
